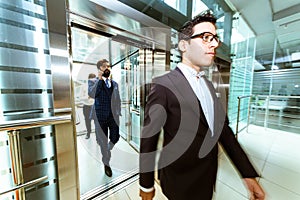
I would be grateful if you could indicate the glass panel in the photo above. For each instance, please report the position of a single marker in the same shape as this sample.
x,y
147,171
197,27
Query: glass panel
x,y
277,92
198,7
243,43
126,71
179,5
89,47
279,108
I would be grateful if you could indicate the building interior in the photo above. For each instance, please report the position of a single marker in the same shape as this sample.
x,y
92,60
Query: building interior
x,y
49,48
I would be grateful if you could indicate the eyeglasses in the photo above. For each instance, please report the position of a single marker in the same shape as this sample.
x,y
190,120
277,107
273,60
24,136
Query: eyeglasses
x,y
207,37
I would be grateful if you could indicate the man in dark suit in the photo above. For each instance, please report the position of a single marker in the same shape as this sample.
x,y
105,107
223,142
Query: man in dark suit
x,y
184,103
106,111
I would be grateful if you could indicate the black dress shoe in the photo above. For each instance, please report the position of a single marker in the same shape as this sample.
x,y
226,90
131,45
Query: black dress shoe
x,y
107,170
87,137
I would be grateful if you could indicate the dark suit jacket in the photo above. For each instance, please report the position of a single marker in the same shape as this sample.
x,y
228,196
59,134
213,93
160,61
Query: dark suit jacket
x,y
188,161
98,90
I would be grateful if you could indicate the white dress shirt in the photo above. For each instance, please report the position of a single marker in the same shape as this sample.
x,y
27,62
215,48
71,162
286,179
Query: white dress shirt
x,y
202,92
109,82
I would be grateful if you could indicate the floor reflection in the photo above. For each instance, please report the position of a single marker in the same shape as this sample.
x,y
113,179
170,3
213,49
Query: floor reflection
x,y
124,161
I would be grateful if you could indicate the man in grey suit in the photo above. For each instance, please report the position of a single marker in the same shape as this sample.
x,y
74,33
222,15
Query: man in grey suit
x,y
106,111
184,103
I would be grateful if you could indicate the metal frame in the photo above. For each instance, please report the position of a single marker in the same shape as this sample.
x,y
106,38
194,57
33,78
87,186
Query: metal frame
x,y
13,130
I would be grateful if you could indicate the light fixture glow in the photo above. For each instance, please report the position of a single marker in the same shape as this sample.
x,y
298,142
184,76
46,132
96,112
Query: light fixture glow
x,y
274,67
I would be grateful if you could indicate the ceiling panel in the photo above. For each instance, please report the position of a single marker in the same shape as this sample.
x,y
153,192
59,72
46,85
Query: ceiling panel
x,y
272,20
279,5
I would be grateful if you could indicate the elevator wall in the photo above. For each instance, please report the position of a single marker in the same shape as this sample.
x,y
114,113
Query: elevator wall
x,y
26,97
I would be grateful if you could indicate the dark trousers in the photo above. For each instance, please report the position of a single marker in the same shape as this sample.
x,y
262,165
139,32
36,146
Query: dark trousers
x,y
104,130
86,113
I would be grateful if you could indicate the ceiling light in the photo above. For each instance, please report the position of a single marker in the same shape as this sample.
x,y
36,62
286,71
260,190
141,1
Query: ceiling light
x,y
274,67
295,56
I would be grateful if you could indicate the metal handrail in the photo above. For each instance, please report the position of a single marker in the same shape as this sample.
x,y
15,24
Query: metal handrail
x,y
13,128
33,123
277,96
28,184
238,113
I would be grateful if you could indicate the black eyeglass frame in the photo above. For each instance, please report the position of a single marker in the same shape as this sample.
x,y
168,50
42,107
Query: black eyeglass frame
x,y
201,35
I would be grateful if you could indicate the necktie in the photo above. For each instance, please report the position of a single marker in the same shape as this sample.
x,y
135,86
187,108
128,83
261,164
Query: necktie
x,y
107,83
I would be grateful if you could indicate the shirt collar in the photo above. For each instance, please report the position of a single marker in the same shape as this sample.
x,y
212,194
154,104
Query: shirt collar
x,y
104,78
187,70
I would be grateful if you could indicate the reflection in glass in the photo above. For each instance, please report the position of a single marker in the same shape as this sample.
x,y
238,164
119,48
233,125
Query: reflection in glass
x,y
131,69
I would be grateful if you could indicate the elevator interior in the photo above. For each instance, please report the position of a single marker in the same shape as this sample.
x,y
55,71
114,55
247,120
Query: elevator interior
x,y
136,54
132,68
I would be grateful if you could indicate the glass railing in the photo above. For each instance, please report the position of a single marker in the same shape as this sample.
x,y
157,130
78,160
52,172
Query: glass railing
x,y
270,111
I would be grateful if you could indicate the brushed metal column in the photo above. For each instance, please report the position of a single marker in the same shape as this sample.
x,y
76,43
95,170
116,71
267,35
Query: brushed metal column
x,y
26,93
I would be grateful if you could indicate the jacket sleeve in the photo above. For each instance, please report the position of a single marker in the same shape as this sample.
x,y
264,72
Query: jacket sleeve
x,y
236,153
229,142
150,134
92,87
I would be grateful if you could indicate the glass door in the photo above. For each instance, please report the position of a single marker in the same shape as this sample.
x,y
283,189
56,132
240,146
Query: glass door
x,y
129,72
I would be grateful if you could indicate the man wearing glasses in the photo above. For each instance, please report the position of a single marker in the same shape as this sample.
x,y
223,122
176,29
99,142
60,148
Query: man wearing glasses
x,y
107,110
184,104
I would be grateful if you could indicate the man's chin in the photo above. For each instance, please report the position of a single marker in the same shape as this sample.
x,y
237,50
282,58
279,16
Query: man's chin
x,y
208,64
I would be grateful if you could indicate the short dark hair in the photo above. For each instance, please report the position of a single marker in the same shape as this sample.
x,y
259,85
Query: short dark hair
x,y
101,62
186,31
92,75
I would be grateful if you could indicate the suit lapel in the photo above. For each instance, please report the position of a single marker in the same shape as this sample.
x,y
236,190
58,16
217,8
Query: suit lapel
x,y
184,90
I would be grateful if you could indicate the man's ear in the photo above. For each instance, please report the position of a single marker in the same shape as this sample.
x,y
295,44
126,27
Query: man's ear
x,y
182,45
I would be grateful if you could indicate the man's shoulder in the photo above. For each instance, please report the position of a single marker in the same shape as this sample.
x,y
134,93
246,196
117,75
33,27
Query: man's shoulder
x,y
93,80
114,82
166,76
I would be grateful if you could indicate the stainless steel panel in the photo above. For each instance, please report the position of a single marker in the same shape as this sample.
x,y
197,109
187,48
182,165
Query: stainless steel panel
x,y
61,72
20,80
26,93
39,170
29,166
38,144
35,38
26,102
67,162
26,15
61,82
36,6
17,58
46,192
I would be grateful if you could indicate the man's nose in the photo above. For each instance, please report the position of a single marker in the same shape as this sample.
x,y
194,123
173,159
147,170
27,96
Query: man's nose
x,y
214,43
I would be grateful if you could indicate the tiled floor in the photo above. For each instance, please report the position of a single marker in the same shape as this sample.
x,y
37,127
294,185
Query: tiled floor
x,y
274,153
124,162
